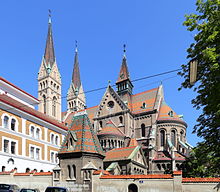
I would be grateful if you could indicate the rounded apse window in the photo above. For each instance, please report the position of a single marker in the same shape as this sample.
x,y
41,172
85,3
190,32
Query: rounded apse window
x,y
110,104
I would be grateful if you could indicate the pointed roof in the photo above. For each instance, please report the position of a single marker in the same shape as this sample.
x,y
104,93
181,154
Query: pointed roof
x,y
133,142
76,75
124,74
111,129
166,113
82,133
49,55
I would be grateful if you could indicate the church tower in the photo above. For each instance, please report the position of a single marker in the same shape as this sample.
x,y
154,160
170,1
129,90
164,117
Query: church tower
x,y
49,80
124,85
75,97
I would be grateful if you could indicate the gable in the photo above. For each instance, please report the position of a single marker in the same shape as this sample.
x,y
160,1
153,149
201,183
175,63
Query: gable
x,y
42,71
138,157
54,73
111,103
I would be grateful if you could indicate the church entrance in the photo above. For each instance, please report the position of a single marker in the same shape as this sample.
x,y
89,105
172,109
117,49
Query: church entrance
x,y
132,188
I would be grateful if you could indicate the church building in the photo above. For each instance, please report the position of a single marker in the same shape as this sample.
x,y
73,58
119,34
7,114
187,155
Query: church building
x,y
124,134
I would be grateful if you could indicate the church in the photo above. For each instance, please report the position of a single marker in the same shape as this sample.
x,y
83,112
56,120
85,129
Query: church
x,y
124,134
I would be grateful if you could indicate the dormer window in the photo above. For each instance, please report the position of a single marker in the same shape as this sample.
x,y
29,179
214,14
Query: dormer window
x,y
144,106
170,113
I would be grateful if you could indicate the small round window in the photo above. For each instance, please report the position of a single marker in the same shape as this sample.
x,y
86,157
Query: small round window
x,y
110,104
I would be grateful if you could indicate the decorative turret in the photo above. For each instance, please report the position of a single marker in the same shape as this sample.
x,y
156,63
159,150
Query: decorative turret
x,y
124,85
49,80
75,96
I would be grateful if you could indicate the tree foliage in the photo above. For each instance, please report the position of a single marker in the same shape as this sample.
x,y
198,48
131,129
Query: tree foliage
x,y
206,50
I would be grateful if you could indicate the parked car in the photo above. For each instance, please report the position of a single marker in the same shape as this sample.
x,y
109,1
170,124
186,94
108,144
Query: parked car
x,y
56,189
9,188
29,190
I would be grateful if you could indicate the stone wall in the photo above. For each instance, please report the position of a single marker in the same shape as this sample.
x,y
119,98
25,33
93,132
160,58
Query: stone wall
x,y
40,182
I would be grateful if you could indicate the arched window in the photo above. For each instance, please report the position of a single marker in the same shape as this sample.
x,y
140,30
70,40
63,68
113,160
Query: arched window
x,y
44,104
173,137
38,133
3,168
13,123
56,140
162,138
74,171
27,170
143,134
6,119
69,171
132,188
181,135
54,106
121,119
52,138
32,131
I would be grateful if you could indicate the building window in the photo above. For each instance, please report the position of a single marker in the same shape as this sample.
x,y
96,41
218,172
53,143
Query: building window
x,y
181,135
6,146
110,104
100,123
121,120
74,171
54,106
173,137
44,103
143,134
69,171
13,122
5,124
52,138
13,147
162,138
32,131
170,113
32,152
56,140
38,133
37,153
52,157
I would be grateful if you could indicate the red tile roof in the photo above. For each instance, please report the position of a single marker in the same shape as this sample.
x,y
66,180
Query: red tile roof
x,y
86,140
2,79
16,104
164,156
104,172
22,174
133,142
148,97
90,111
42,173
201,180
110,129
168,176
119,153
166,113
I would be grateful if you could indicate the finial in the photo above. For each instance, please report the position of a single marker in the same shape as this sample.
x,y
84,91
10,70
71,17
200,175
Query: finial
x,y
124,46
109,82
76,46
49,15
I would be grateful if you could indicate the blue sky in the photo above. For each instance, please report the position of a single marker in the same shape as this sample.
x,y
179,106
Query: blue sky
x,y
152,30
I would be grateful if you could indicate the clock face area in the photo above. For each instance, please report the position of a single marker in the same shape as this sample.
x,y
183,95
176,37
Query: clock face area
x,y
110,104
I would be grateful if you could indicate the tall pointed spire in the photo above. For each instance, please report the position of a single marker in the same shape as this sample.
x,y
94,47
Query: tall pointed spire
x,y
76,75
124,74
123,82
49,55
75,97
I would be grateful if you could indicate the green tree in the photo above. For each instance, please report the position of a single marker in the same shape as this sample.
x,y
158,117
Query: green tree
x,y
206,51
